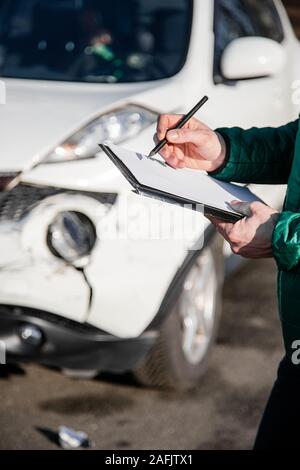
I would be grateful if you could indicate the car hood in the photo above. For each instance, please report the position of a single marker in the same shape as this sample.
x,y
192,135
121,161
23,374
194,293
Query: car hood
x,y
37,115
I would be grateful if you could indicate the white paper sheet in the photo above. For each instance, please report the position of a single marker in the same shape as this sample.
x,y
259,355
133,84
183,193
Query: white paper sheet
x,y
189,184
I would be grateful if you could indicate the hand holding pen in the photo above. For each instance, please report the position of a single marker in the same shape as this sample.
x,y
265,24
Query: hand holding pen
x,y
193,145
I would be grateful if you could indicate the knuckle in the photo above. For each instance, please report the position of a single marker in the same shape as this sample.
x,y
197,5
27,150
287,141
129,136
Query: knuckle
x,y
162,117
233,237
235,249
255,206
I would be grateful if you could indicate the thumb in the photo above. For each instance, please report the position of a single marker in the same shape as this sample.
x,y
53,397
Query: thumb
x,y
243,207
182,136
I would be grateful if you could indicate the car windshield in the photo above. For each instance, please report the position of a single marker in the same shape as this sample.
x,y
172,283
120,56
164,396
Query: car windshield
x,y
93,40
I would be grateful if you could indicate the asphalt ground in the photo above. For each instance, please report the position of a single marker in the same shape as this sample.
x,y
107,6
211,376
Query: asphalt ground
x,y
222,413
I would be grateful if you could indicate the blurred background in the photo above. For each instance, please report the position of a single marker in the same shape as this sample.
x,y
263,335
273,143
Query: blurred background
x,y
140,344
292,7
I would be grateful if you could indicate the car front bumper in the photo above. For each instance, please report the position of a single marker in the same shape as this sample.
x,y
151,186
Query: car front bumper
x,y
68,344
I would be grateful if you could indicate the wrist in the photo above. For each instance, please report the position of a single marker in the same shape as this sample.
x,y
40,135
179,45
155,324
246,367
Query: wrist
x,y
222,158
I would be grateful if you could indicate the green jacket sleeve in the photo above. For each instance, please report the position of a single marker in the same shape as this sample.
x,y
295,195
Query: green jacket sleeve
x,y
256,155
286,241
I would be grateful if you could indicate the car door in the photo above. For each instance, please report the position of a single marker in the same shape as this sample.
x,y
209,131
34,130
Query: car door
x,y
254,101
257,102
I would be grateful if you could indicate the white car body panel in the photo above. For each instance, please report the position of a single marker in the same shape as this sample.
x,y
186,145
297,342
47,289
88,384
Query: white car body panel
x,y
129,278
126,284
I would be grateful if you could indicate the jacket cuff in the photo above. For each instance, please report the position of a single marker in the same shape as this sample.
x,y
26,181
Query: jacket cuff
x,y
286,241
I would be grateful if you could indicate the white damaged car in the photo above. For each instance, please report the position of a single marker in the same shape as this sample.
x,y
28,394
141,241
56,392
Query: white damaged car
x,y
77,73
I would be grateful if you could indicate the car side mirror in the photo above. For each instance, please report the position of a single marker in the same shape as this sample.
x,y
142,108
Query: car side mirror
x,y
252,57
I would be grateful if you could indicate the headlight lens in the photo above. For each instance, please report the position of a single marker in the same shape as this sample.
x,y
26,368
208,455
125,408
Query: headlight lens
x,y
116,126
71,236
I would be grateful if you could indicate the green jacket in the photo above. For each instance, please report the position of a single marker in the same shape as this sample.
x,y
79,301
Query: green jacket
x,y
272,156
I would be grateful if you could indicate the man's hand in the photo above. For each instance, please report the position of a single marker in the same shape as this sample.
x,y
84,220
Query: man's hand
x,y
198,147
194,146
250,237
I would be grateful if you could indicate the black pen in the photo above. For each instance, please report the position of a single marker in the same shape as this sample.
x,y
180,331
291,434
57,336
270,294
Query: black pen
x,y
180,124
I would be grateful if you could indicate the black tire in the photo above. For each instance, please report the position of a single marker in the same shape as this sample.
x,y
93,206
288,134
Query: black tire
x,y
166,365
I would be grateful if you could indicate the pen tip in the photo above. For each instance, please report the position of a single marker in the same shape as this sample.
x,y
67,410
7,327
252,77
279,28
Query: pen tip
x,y
151,154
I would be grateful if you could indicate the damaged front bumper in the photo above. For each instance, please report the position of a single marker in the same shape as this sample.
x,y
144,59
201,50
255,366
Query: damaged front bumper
x,y
66,344
30,274
44,300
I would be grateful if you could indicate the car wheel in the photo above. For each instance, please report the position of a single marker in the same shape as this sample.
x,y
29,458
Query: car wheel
x,y
180,355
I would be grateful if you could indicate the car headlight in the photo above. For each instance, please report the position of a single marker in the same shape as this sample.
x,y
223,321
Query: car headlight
x,y
71,236
115,126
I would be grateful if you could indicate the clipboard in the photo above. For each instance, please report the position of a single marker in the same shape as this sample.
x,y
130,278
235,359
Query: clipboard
x,y
157,191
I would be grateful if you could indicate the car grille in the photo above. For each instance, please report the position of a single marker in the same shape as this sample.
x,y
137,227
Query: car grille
x,y
21,199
